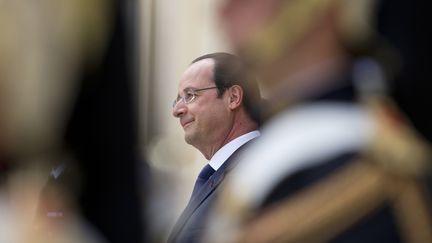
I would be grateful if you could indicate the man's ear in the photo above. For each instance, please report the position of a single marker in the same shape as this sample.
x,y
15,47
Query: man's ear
x,y
235,93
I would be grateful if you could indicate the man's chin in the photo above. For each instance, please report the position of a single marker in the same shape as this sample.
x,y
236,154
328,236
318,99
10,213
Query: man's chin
x,y
188,138
191,138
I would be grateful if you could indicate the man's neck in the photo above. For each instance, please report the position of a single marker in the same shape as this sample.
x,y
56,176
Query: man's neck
x,y
238,129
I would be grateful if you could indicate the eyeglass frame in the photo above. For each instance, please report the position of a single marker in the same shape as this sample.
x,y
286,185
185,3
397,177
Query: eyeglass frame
x,y
193,95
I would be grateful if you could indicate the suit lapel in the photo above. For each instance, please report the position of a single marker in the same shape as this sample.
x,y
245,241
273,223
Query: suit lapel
x,y
195,202
208,188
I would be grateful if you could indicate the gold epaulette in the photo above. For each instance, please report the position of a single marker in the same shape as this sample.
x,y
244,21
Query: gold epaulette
x,y
396,145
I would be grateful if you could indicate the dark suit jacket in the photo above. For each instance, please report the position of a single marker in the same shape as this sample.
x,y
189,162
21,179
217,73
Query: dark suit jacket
x,y
192,222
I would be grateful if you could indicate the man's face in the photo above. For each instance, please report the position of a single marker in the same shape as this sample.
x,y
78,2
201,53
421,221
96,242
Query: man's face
x,y
242,18
205,120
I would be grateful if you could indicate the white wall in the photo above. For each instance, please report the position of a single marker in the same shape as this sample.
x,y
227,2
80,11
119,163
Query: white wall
x,y
173,34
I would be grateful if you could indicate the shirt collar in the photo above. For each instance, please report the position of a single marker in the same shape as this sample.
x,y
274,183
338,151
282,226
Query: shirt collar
x,y
228,149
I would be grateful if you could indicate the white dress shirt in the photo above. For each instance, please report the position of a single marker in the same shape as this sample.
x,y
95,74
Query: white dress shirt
x,y
228,149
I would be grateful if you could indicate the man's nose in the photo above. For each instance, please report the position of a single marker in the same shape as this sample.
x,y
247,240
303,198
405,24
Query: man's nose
x,y
179,109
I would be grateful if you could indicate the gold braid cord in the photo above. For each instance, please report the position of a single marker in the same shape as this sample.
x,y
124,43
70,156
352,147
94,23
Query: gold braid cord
x,y
323,211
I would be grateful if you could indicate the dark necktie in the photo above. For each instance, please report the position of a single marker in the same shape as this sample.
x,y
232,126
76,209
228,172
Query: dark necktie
x,y
203,176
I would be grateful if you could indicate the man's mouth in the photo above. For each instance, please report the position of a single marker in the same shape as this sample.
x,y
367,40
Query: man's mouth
x,y
185,124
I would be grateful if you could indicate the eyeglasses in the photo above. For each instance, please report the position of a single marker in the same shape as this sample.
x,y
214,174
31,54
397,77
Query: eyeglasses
x,y
190,95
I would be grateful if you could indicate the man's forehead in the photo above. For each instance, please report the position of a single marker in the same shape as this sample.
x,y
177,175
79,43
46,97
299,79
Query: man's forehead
x,y
200,72
202,66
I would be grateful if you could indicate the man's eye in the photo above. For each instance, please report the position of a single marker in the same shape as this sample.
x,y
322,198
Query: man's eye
x,y
188,96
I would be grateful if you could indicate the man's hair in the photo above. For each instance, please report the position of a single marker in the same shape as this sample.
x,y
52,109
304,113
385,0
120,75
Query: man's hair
x,y
230,70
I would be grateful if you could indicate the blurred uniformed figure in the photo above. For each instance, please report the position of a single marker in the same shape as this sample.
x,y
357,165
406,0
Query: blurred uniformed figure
x,y
337,160
43,49
68,158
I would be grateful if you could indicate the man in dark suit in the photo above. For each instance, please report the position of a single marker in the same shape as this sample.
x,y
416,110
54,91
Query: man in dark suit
x,y
337,161
214,107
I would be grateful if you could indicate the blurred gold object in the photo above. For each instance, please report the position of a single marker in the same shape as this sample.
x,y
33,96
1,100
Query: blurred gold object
x,y
397,146
297,17
42,48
